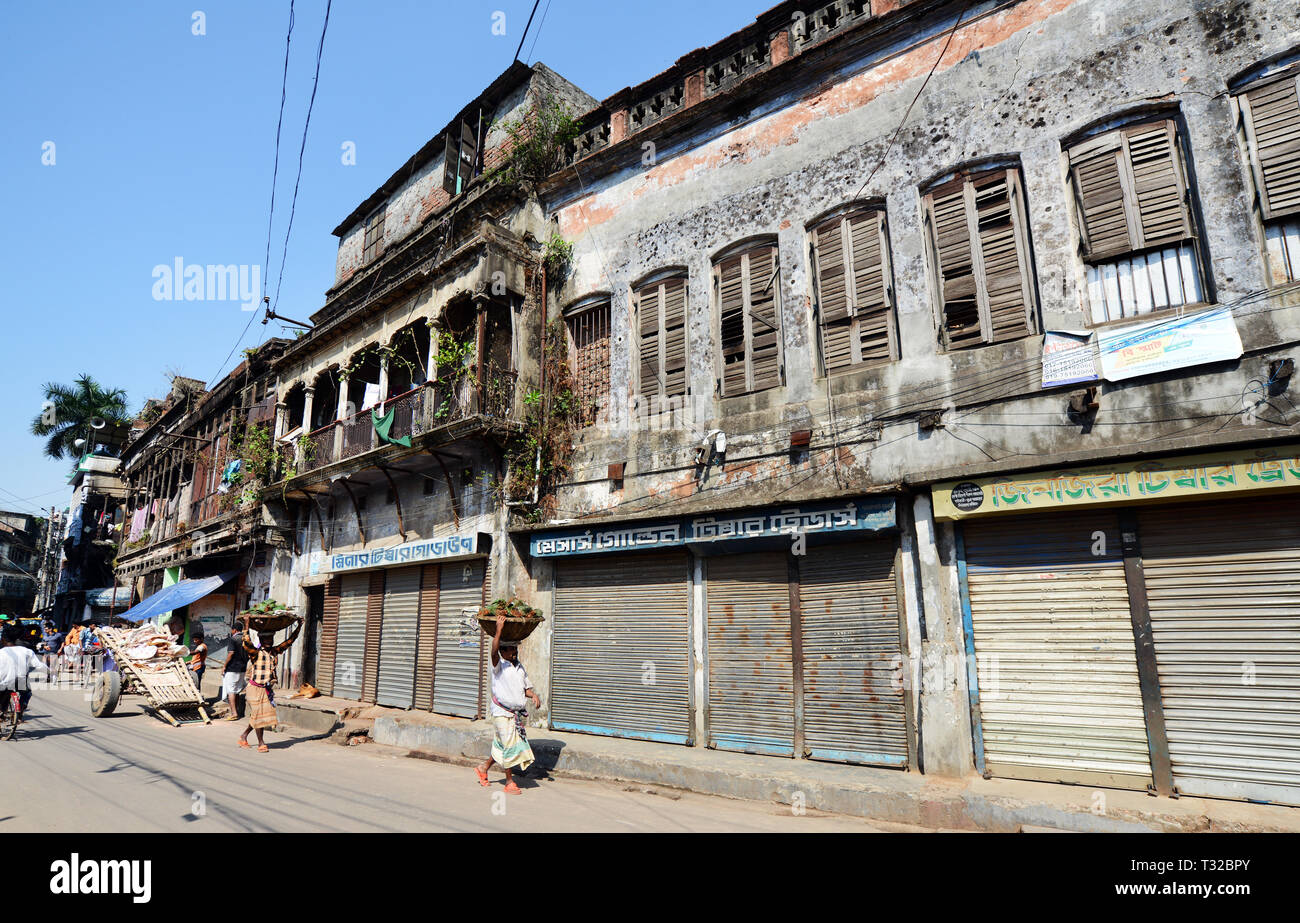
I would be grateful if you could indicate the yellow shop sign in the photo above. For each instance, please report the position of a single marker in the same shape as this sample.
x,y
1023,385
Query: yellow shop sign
x,y
1187,476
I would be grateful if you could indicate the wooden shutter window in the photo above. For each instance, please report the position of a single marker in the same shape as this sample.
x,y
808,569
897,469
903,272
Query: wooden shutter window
x,y
855,313
978,244
460,158
661,314
749,332
1130,191
1272,121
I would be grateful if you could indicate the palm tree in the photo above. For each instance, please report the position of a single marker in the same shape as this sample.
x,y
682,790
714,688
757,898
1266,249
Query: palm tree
x,y
70,411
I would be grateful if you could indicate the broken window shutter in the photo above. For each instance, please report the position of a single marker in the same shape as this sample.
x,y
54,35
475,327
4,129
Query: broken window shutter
x,y
674,337
731,309
1099,193
1000,253
468,153
1158,188
451,163
764,347
872,316
951,240
647,310
1273,133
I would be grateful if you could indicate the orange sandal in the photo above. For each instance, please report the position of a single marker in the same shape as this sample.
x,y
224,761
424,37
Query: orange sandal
x,y
482,777
263,748
513,789
245,744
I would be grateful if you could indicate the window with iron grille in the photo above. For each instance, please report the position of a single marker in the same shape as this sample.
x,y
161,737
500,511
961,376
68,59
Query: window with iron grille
x,y
1270,120
855,310
374,241
746,287
661,321
589,345
1136,230
979,252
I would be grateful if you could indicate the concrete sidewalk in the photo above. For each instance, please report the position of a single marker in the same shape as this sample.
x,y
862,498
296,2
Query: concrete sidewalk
x,y
974,804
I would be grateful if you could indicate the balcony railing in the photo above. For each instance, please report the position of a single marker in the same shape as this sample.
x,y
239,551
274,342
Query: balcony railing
x,y
418,411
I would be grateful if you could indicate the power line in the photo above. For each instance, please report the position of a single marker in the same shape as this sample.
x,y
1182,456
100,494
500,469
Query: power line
x,y
275,169
538,34
527,27
320,50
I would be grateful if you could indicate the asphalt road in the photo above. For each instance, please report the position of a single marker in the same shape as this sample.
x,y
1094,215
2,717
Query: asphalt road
x,y
67,771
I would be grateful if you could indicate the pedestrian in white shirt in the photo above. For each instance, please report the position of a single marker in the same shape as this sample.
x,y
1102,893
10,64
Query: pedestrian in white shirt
x,y
510,689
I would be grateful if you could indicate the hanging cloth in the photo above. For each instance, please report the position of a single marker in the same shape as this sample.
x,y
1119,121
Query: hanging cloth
x,y
384,425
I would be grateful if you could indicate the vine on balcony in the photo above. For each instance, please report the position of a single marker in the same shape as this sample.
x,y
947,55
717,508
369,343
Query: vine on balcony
x,y
538,459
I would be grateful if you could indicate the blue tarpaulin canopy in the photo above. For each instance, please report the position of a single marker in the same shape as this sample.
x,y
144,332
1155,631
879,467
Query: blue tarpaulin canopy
x,y
175,596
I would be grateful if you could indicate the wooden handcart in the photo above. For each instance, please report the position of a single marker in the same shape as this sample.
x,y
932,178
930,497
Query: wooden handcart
x,y
169,688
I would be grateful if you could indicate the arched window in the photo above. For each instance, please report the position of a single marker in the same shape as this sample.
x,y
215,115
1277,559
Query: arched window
x,y
747,289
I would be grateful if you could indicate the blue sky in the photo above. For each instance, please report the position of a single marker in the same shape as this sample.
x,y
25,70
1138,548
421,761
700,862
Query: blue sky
x,y
163,144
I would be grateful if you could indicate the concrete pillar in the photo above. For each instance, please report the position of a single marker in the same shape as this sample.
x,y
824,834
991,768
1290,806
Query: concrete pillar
x,y
281,420
339,415
308,396
945,705
383,380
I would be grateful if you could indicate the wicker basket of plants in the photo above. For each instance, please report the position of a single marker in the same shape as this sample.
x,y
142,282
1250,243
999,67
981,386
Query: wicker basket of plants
x,y
269,616
521,619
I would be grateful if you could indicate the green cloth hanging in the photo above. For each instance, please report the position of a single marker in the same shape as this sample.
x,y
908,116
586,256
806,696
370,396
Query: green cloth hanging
x,y
384,424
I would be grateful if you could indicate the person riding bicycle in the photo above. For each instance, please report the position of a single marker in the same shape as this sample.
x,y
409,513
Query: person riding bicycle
x,y
17,664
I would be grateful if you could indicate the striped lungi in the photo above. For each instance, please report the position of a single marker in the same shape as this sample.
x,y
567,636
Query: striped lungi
x,y
259,708
509,747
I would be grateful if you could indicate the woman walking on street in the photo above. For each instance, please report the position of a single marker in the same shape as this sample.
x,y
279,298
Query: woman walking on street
x,y
259,699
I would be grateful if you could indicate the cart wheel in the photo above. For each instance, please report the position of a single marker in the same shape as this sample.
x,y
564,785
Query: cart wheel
x,y
108,689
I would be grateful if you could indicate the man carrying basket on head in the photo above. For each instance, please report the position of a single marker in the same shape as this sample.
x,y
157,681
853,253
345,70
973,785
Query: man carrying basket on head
x,y
259,698
510,688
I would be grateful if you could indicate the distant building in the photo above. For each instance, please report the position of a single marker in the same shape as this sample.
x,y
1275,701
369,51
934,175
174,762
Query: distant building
x,y
19,537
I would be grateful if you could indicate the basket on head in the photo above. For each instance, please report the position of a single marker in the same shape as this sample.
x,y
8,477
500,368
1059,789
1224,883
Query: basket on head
x,y
517,627
269,623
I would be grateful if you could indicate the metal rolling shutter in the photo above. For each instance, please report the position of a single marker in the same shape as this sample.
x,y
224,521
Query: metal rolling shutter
x,y
617,618
485,645
853,706
328,638
351,647
374,624
751,658
1223,585
428,639
1057,666
458,659
398,636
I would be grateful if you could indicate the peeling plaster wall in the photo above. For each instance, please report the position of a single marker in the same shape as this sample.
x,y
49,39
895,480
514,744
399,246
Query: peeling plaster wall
x,y
1013,82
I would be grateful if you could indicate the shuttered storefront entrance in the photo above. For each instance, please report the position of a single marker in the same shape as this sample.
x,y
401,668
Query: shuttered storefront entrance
x,y
458,658
1223,585
750,653
620,646
399,629
853,706
1057,668
350,648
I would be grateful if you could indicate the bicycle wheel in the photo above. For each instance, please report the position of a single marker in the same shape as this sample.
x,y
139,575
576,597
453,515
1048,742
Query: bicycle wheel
x,y
8,723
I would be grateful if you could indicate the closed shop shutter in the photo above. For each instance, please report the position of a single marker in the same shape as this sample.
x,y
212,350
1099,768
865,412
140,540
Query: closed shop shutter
x,y
329,635
428,641
457,661
620,647
398,635
1057,666
350,652
751,659
374,624
1223,585
853,707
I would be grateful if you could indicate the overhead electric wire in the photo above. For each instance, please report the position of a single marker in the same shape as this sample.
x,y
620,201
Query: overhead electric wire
x,y
527,27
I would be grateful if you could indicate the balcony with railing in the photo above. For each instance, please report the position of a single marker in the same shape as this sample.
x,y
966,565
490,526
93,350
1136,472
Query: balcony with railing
x,y
427,408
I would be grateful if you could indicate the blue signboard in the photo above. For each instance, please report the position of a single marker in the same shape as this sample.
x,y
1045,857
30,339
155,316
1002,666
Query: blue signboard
x,y
871,515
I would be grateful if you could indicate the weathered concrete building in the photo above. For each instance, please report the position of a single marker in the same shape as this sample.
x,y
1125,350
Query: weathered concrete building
x,y
884,433
928,377
395,408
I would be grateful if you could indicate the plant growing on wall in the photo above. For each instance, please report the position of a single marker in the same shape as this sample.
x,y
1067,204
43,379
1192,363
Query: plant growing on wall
x,y
557,258
538,459
538,143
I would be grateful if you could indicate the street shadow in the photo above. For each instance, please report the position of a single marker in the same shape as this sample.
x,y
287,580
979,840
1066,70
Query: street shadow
x,y
546,755
25,733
